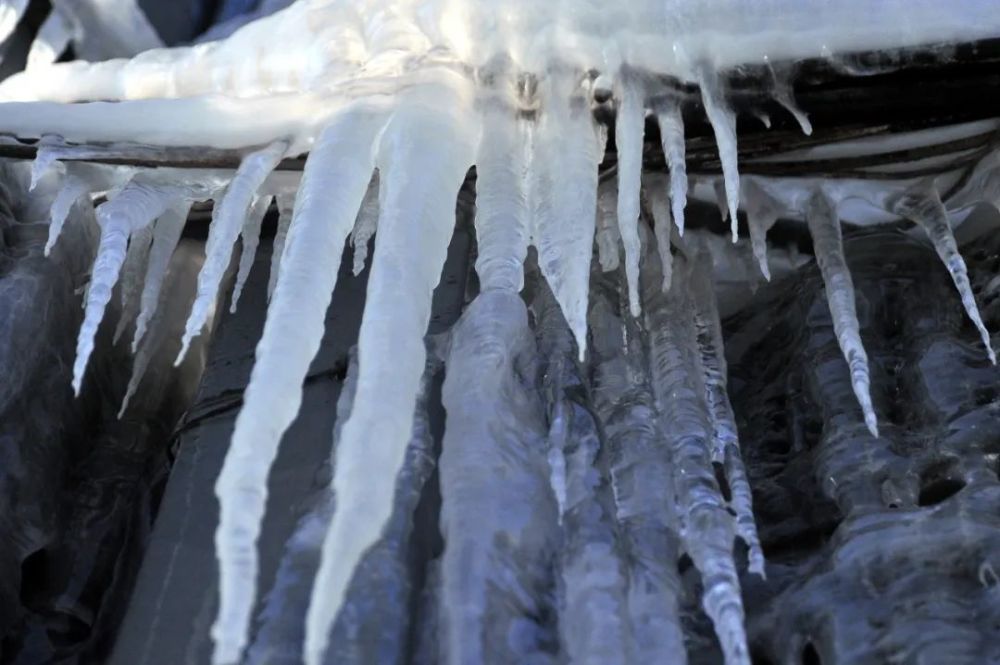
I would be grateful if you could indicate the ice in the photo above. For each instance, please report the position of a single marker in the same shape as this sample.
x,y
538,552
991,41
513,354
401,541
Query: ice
x,y
133,272
227,221
10,13
107,29
724,125
250,239
784,95
629,127
432,136
336,175
285,204
73,188
50,42
824,227
923,205
607,236
166,234
672,137
762,212
364,226
655,188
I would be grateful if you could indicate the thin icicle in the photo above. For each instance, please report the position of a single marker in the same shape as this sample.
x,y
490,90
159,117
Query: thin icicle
x,y
50,42
923,205
285,206
724,125
137,205
333,184
762,212
364,226
10,13
672,138
224,230
654,186
166,235
133,271
72,190
250,238
435,138
725,438
784,95
607,235
629,127
824,227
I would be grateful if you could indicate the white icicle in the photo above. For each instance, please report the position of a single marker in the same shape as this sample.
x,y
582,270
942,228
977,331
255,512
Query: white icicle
x,y
824,227
10,13
133,271
724,125
136,206
250,237
285,206
433,137
364,226
224,230
922,204
72,189
784,95
50,42
166,234
672,137
654,186
501,199
762,212
629,127
607,235
333,185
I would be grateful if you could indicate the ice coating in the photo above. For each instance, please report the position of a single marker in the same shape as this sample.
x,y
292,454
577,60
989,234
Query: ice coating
x,y
166,234
333,184
364,226
672,138
628,139
824,227
723,121
250,239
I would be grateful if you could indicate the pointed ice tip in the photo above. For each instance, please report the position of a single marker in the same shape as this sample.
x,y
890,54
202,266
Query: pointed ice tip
x,y
872,422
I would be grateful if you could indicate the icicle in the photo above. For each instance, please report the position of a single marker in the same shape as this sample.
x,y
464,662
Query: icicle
x,y
333,184
133,271
224,230
364,226
501,199
724,125
762,212
719,187
72,190
10,13
784,95
285,206
629,127
824,226
166,235
50,42
607,235
564,197
432,137
250,238
923,205
725,439
672,137
654,186
137,205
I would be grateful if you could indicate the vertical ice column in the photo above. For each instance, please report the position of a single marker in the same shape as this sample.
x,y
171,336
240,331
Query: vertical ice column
x,y
923,205
762,213
824,227
629,127
365,225
250,238
166,234
424,155
333,184
724,125
672,138
654,186
607,235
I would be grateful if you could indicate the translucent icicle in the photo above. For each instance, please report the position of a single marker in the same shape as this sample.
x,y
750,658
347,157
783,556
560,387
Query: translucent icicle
x,y
762,212
725,438
501,199
364,226
672,137
607,235
250,238
629,127
285,206
724,125
166,234
824,227
654,186
222,234
72,190
434,138
10,13
133,271
784,95
50,42
333,184
135,206
923,205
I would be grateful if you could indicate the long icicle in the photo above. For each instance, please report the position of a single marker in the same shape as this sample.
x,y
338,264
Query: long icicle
x,y
250,238
724,125
824,227
133,272
224,230
166,234
671,124
654,186
364,226
923,205
629,126
435,138
333,185
285,205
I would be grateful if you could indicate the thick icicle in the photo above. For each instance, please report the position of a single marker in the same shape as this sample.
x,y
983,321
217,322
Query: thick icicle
x,y
725,438
333,184
672,138
50,42
137,205
222,233
133,272
762,213
431,135
364,226
724,125
166,234
564,196
72,190
654,186
285,206
629,126
923,205
824,227
250,238
706,525
501,199
607,235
